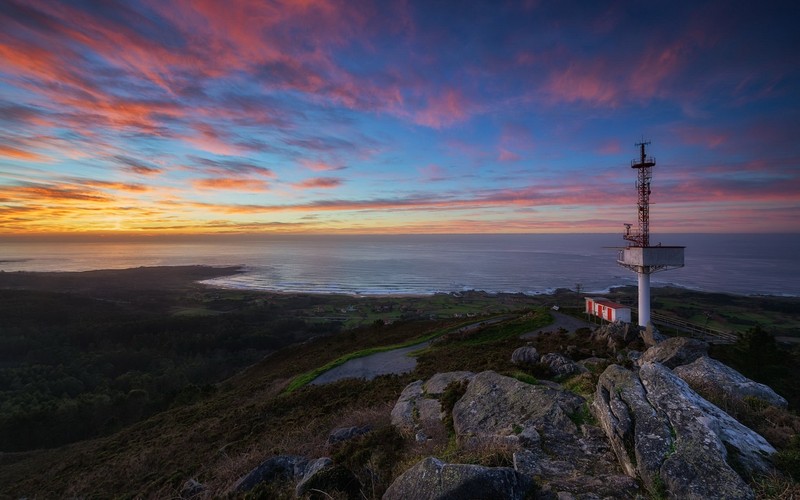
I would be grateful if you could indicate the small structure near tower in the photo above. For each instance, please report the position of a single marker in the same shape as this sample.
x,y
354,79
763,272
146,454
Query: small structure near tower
x,y
639,256
607,310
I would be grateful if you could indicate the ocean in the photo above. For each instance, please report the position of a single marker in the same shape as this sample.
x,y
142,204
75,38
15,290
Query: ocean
x,y
746,264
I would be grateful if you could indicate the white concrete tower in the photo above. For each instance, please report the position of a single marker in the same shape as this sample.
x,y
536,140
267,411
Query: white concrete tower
x,y
639,256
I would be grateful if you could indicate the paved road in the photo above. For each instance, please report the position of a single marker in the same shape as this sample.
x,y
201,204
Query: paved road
x,y
390,362
568,323
382,363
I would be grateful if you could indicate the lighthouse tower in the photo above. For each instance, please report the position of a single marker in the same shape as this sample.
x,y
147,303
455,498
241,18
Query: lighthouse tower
x,y
639,256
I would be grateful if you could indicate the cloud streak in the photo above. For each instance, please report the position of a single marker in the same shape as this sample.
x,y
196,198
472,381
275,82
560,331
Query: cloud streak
x,y
197,115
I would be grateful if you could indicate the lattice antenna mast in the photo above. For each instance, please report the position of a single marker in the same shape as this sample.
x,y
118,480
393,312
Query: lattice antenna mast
x,y
644,165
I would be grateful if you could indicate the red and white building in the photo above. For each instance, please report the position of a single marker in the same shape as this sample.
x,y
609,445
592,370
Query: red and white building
x,y
607,310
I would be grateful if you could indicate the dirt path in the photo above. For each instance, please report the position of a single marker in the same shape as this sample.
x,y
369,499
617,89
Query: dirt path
x,y
568,323
396,361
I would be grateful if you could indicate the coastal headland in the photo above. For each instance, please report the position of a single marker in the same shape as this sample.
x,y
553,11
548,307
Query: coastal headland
x,y
132,382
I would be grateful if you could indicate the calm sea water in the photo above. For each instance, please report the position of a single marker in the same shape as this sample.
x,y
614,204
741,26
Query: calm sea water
x,y
423,264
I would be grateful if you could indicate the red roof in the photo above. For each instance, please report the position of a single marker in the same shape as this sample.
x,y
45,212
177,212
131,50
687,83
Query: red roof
x,y
607,303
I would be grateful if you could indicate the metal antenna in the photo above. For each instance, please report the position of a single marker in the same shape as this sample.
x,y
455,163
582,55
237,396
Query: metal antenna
x,y
644,165
639,256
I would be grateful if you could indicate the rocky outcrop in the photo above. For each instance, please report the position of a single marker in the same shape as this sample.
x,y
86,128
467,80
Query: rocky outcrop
x,y
525,355
675,351
546,425
560,365
638,433
674,439
418,411
706,375
436,385
433,479
496,408
615,335
282,467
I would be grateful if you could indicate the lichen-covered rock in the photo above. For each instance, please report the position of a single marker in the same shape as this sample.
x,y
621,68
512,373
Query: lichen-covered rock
x,y
322,475
560,365
525,355
282,467
436,385
433,479
706,374
674,439
639,435
403,411
418,414
675,351
498,408
693,417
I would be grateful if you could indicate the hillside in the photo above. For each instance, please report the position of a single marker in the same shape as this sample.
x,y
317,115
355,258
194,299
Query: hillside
x,y
219,435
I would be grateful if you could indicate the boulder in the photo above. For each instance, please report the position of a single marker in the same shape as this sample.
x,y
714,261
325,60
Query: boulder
x,y
545,427
674,439
403,411
560,365
675,351
693,417
525,355
323,476
615,335
498,408
436,385
347,433
416,414
282,467
433,479
651,336
706,374
638,433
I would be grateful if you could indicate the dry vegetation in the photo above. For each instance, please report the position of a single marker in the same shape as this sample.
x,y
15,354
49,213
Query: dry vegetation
x,y
221,435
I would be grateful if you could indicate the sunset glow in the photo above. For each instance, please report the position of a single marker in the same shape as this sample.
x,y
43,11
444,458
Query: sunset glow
x,y
326,116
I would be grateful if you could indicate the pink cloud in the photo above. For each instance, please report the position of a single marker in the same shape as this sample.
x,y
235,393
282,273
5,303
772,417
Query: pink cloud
x,y
319,182
506,155
319,166
611,147
442,110
433,172
584,82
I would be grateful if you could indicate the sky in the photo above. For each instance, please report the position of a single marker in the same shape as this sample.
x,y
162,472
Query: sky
x,y
157,117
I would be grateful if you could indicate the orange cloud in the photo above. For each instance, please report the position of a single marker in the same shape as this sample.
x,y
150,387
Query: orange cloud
x,y
19,154
231,184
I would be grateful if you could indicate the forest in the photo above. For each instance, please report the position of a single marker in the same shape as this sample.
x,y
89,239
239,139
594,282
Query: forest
x,y
75,365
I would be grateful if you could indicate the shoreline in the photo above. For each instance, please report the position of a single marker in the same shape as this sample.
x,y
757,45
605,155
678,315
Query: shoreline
x,y
205,274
